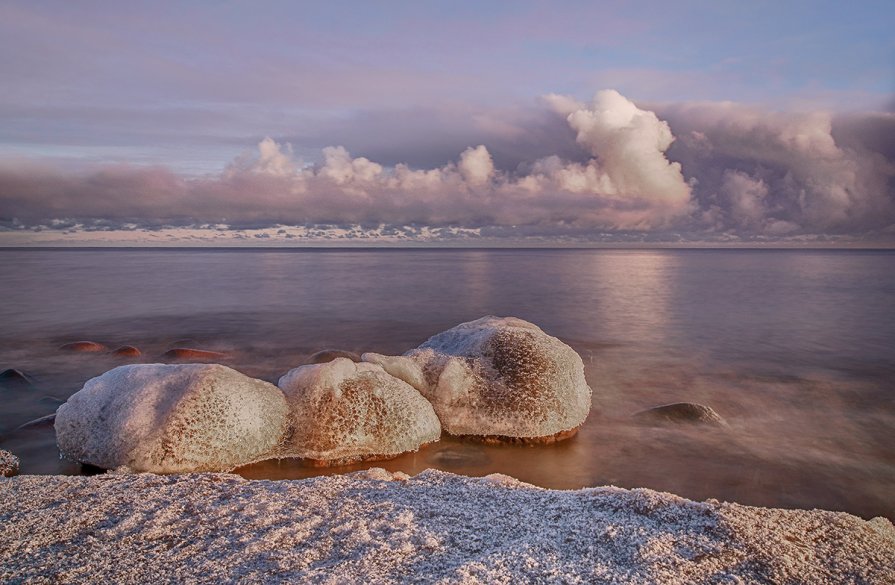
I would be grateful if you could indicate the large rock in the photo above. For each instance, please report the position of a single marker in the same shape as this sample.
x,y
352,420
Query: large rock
x,y
497,378
172,418
344,411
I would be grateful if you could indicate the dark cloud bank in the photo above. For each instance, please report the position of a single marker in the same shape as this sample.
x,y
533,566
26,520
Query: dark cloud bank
x,y
592,172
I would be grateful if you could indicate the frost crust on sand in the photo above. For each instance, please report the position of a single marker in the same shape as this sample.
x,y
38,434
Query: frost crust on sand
x,y
377,527
172,418
498,376
344,411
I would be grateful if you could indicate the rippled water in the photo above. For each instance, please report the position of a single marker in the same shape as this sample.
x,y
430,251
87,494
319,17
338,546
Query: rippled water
x,y
793,348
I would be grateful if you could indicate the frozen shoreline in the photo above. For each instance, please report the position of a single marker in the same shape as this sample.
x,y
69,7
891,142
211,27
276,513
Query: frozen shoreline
x,y
375,527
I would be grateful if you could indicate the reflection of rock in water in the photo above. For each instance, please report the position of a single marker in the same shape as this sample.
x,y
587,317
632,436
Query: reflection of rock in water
x,y
327,355
461,457
680,412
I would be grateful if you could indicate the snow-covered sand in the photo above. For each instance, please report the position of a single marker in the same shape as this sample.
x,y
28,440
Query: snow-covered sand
x,y
375,527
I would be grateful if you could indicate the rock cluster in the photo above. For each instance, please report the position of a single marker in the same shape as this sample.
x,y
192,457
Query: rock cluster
x,y
493,379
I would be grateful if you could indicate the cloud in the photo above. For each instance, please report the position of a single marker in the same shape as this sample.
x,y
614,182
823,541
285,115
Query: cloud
x,y
704,170
811,180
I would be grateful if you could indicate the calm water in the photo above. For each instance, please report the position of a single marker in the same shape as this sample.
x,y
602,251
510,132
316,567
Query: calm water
x,y
796,349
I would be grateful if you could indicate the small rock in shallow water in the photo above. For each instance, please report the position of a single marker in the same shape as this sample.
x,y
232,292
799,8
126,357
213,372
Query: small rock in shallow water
x,y
51,401
328,355
13,376
43,422
127,351
9,464
187,353
84,347
681,412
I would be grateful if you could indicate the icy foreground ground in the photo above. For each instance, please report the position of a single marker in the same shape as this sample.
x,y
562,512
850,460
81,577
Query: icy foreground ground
x,y
376,527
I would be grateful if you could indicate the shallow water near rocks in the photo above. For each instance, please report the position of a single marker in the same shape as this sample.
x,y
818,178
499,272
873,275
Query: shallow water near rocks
x,y
793,348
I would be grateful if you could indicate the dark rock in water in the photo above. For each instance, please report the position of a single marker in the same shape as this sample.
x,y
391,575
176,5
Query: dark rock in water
x,y
43,422
328,355
84,347
9,464
127,351
12,376
51,400
680,412
186,353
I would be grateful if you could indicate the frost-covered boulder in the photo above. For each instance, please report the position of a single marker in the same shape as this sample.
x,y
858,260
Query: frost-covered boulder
x,y
498,377
344,411
172,418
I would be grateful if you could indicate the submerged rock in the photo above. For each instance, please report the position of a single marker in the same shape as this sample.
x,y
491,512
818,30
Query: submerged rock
x,y
500,379
343,412
9,464
328,355
187,353
127,351
43,422
172,418
13,377
680,412
84,347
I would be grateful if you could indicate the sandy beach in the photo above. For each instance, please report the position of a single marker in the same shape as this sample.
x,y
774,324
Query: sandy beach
x,y
379,527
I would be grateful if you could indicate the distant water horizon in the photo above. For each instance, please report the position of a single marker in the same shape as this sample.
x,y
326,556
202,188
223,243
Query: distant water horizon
x,y
793,347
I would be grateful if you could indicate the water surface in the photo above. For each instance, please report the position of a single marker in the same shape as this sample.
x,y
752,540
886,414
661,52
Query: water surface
x,y
793,348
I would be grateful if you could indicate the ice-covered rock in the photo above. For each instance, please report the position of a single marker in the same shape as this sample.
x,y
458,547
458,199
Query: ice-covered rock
x,y
498,377
9,464
172,418
344,411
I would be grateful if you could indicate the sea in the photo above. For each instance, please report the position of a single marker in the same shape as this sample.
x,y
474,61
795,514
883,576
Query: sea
x,y
795,349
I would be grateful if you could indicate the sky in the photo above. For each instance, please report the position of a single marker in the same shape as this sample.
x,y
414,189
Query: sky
x,y
447,123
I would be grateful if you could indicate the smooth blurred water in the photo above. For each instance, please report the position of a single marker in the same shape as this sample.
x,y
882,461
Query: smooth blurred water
x,y
793,348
